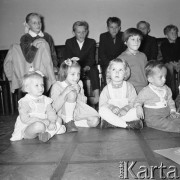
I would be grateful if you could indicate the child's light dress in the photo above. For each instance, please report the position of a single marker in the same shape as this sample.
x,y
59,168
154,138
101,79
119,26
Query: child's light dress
x,y
158,104
82,110
30,107
119,97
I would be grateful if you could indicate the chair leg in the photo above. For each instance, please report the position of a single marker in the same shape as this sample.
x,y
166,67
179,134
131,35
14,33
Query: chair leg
x,y
2,101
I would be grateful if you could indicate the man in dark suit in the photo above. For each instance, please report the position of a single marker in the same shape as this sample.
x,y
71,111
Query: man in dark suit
x,y
84,48
149,44
110,44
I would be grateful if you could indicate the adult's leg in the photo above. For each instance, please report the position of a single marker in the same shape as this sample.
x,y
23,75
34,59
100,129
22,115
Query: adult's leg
x,y
93,75
104,76
170,78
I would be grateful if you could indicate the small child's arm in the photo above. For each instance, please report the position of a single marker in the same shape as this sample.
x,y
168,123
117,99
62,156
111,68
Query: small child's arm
x,y
24,113
170,101
59,96
140,112
51,113
52,117
171,104
138,104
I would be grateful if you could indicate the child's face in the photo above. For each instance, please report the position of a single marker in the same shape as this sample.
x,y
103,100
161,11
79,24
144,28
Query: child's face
x,y
36,87
143,28
172,35
159,77
73,75
35,24
80,33
133,43
113,29
117,72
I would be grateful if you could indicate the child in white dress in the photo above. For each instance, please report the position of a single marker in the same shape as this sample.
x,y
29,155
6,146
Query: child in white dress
x,y
36,117
69,99
117,98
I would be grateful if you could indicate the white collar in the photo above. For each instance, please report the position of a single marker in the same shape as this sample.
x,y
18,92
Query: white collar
x,y
80,44
33,34
34,98
160,91
157,88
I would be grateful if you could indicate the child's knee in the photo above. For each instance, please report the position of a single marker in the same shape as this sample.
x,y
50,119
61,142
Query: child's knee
x,y
93,121
39,127
72,96
103,110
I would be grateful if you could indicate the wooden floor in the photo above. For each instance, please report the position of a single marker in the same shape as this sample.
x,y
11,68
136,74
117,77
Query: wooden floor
x,y
90,154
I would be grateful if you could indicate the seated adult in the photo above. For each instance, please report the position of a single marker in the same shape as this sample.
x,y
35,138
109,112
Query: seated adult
x,y
149,44
84,48
110,44
170,49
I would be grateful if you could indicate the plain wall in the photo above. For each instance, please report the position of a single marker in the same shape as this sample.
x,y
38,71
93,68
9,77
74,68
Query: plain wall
x,y
61,14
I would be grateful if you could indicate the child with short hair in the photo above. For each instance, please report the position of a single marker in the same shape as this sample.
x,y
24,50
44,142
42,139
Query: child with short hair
x,y
84,48
137,60
156,98
69,100
36,117
117,98
149,44
31,41
110,44
170,49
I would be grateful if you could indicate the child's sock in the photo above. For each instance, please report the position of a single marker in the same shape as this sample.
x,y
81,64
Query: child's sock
x,y
69,111
81,123
61,130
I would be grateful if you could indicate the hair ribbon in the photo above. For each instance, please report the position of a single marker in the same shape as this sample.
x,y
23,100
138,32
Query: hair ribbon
x,y
32,70
69,61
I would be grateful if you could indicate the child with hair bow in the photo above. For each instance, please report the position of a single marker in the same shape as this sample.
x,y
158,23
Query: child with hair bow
x,y
69,100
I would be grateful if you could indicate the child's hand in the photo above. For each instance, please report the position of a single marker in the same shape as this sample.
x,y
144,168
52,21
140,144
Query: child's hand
x,y
140,113
122,112
68,89
116,110
52,126
38,42
76,87
86,68
174,115
46,122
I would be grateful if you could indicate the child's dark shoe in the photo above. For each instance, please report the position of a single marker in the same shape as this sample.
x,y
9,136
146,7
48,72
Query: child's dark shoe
x,y
137,125
71,127
44,137
104,124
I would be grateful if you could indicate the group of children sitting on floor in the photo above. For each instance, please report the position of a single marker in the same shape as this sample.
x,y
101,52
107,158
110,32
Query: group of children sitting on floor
x,y
135,93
